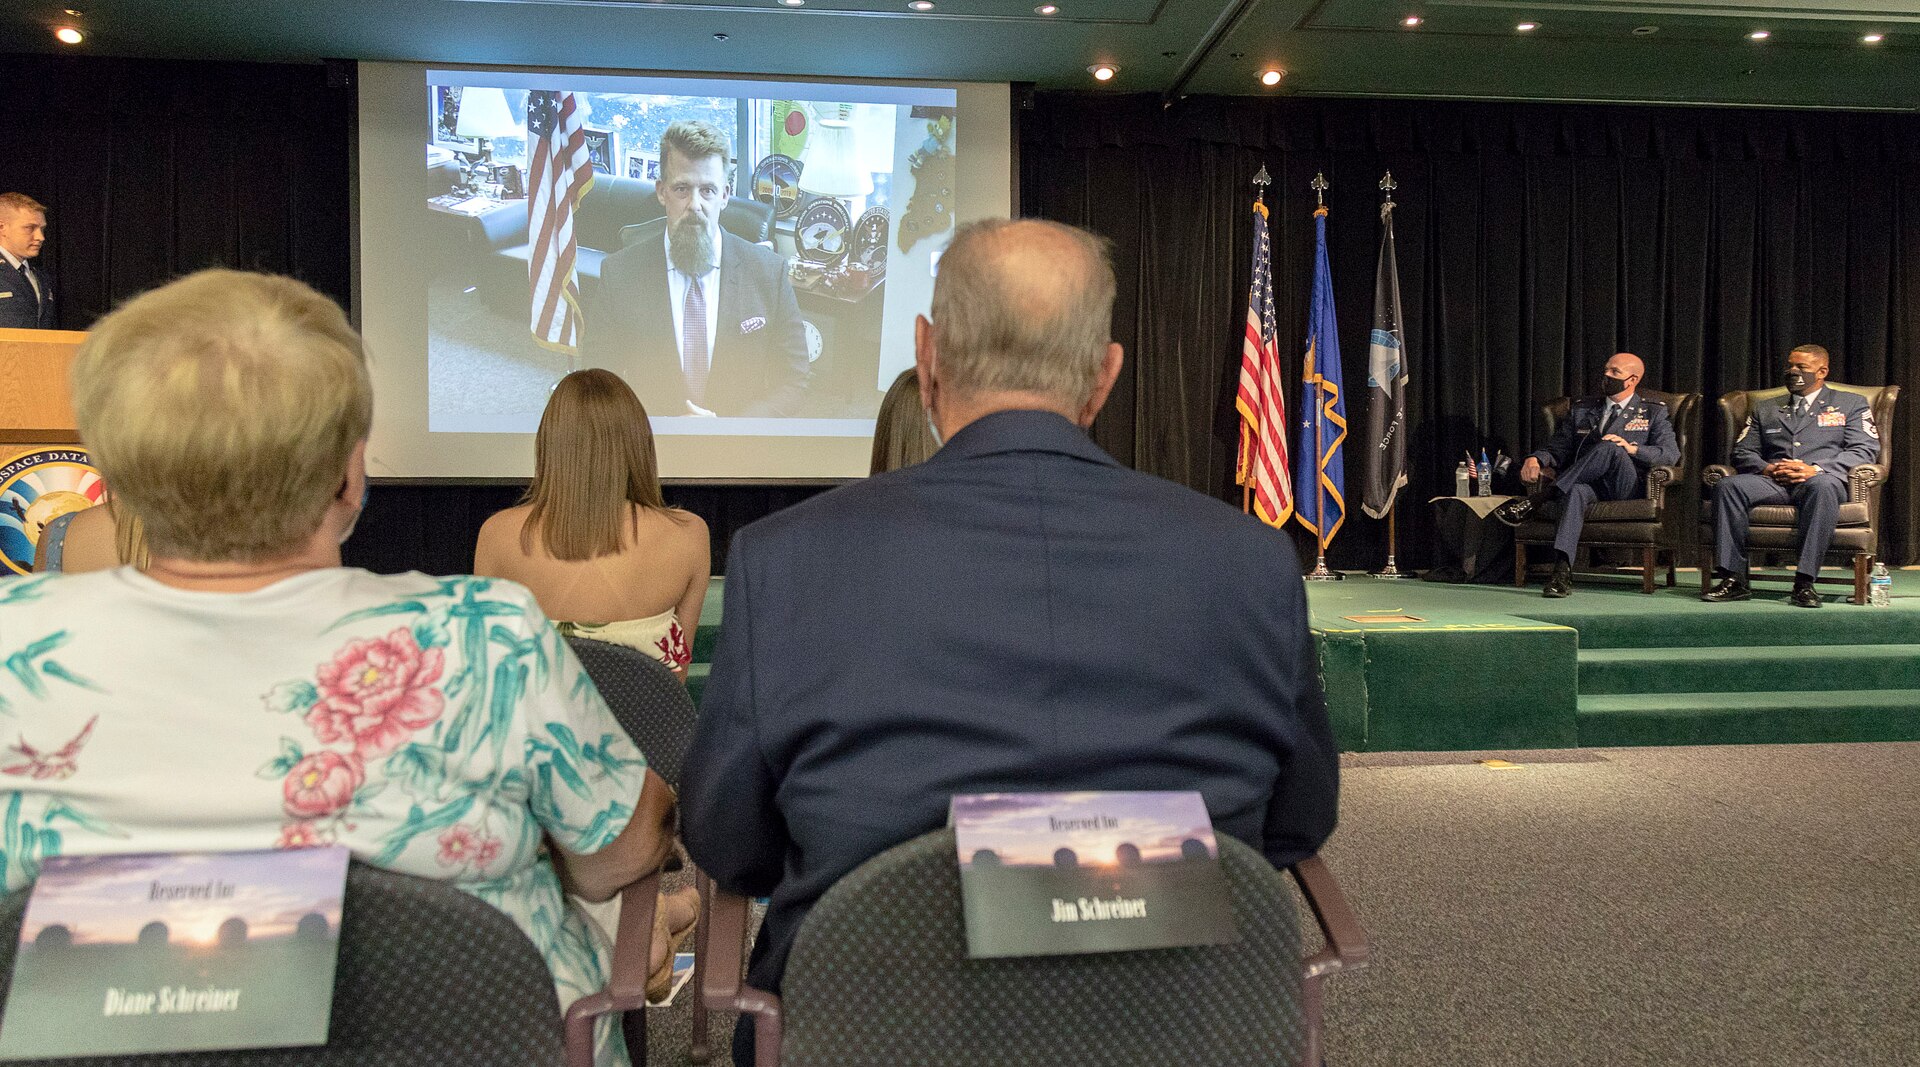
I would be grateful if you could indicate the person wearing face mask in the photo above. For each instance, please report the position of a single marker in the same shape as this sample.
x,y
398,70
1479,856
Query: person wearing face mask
x,y
697,320
1795,449
1017,612
1602,450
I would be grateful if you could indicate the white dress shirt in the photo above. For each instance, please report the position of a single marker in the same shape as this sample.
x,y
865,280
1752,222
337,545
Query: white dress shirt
x,y
677,297
33,277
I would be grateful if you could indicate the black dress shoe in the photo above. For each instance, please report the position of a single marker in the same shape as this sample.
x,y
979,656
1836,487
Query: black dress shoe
x,y
1804,597
1515,511
1559,583
1729,589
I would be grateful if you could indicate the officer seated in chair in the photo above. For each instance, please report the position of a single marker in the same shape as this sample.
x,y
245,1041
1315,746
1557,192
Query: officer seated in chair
x,y
1601,451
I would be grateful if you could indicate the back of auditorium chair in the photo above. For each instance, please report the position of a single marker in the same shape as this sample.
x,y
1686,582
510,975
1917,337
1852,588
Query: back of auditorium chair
x,y
428,976
651,704
880,975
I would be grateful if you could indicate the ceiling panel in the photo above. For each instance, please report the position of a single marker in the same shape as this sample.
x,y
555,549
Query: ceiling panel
x,y
1465,48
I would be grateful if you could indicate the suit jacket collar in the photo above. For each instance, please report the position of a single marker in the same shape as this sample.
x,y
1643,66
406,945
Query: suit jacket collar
x,y
1022,431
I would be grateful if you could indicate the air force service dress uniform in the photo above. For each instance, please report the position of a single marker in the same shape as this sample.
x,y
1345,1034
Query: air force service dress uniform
x,y
26,302
1831,429
1589,468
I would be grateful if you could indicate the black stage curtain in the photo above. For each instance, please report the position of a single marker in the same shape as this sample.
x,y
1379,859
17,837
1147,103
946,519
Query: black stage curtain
x,y
152,169
1535,240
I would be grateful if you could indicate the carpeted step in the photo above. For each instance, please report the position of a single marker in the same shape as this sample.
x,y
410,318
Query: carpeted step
x,y
1748,718
1767,623
697,679
1803,668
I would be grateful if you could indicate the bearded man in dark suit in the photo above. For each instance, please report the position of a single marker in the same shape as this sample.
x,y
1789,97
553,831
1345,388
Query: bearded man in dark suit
x,y
697,320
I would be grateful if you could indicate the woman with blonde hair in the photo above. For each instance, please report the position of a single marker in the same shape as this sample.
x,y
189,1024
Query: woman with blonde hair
x,y
593,538
247,691
95,539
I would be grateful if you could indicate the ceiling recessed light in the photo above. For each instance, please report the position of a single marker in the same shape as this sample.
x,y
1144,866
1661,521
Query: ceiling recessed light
x,y
1527,27
1271,76
1412,20
69,35
1103,72
719,36
921,5
74,12
794,3
1047,9
1645,31
1873,38
1759,35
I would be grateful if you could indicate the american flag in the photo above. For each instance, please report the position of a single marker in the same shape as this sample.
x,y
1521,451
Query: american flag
x,y
1263,465
562,172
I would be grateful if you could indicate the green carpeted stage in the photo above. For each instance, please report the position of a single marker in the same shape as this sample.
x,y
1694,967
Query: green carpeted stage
x,y
1492,667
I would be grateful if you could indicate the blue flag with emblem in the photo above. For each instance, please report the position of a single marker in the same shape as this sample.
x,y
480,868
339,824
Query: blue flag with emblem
x,y
1319,497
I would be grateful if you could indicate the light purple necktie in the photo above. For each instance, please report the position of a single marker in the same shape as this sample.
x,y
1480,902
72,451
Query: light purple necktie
x,y
693,341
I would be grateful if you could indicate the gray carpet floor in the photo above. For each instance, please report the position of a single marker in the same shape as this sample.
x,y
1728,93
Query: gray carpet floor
x,y
1750,905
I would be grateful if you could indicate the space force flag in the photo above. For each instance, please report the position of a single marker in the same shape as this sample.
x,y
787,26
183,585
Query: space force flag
x,y
1319,493
1386,382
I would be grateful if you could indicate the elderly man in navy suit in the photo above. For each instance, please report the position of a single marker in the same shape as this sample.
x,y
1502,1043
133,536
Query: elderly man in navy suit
x,y
1600,451
697,320
1795,449
1017,613
26,297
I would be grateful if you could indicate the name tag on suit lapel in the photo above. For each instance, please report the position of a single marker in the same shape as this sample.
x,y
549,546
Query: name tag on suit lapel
x,y
1637,424
1831,417
6,296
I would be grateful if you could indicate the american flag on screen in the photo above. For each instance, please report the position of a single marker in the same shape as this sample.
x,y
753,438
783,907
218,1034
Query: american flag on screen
x,y
561,173
1262,463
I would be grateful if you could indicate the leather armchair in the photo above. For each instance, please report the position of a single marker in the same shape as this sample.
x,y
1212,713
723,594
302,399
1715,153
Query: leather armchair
x,y
1857,533
1663,520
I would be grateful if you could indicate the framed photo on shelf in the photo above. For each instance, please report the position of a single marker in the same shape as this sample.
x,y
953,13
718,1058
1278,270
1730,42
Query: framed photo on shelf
x,y
643,166
603,147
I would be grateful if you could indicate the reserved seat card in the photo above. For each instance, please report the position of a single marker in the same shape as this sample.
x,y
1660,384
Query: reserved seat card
x,y
177,951
1054,874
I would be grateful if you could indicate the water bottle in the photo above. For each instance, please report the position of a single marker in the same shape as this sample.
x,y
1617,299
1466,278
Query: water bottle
x,y
1486,474
1880,589
1462,486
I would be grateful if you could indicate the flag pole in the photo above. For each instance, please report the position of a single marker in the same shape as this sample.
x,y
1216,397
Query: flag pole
x,y
1260,183
1321,572
1390,571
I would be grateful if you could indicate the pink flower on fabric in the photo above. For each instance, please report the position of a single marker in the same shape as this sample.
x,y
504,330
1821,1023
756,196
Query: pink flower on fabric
x,y
302,835
487,851
456,846
321,784
376,692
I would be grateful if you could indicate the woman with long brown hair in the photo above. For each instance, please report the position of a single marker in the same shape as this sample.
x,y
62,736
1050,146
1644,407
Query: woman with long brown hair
x,y
593,538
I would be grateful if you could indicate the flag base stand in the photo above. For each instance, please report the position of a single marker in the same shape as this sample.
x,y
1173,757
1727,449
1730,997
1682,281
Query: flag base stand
x,y
1320,573
1393,573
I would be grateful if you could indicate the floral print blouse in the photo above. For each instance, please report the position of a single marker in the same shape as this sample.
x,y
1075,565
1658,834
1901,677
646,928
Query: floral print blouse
x,y
435,726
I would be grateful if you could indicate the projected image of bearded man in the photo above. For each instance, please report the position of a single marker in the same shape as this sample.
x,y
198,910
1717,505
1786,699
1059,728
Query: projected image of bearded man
x,y
698,320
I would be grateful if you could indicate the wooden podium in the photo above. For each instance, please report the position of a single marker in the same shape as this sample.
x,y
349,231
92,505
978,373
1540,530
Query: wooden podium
x,y
36,401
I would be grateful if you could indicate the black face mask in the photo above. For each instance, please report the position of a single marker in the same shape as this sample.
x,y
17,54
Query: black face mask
x,y
1796,381
1612,386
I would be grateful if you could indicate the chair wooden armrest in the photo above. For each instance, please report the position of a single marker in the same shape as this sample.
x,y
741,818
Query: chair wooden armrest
x,y
627,985
1862,478
722,980
1347,948
1715,472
